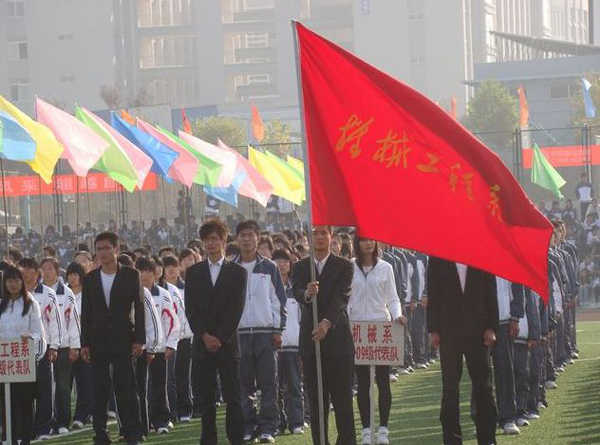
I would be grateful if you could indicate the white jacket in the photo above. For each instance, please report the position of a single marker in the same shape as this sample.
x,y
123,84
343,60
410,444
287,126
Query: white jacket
x,y
179,304
291,334
374,296
51,318
168,317
13,324
154,331
67,306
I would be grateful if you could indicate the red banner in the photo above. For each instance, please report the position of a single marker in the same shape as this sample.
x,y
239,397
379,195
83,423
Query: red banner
x,y
66,185
564,156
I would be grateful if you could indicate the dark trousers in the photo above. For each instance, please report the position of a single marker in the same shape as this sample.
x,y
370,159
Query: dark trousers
x,y
549,359
128,403
44,404
417,334
172,386
21,405
536,380
337,384
141,379
408,346
157,392
62,392
81,373
382,379
258,370
522,377
560,351
477,356
205,377
504,376
182,376
291,403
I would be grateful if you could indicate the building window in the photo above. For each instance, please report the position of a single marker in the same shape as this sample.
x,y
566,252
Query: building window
x,y
19,90
257,4
62,37
560,91
17,50
67,79
15,8
168,52
257,40
417,60
155,13
254,79
416,17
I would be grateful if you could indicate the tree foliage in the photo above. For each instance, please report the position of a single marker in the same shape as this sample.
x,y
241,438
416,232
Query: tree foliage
x,y
493,111
231,131
277,132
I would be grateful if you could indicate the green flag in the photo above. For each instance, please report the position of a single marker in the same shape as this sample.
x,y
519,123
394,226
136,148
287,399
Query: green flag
x,y
208,170
544,175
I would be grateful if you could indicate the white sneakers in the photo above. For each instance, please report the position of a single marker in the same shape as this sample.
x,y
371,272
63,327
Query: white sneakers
x,y
511,429
521,422
298,430
62,431
77,425
185,419
551,384
393,378
382,436
266,438
162,430
366,436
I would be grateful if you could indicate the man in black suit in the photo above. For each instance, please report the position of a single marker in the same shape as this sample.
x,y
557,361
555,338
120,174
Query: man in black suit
x,y
332,291
462,319
215,294
113,333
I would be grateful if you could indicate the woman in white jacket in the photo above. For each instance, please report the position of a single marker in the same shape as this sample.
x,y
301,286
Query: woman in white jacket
x,y
20,317
374,298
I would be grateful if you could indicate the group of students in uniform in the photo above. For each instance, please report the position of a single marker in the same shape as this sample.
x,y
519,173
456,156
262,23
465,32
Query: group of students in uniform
x,y
534,341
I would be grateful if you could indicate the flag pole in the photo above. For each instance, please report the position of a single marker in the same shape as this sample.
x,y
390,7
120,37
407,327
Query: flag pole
x,y
77,213
87,194
41,216
313,274
5,204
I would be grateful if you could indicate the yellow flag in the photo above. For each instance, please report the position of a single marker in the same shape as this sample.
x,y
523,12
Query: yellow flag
x,y
284,184
297,164
48,149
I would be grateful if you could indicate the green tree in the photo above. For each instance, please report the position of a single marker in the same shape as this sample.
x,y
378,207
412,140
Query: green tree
x,y
277,132
232,132
493,111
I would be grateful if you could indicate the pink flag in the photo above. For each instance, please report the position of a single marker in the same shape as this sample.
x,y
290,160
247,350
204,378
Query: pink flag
x,y
185,167
255,186
228,161
140,160
82,146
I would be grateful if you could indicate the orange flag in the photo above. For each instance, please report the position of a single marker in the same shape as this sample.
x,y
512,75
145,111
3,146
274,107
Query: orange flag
x,y
258,128
523,108
127,117
185,122
453,106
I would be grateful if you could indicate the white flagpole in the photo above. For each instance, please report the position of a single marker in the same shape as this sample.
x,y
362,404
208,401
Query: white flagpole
x,y
313,275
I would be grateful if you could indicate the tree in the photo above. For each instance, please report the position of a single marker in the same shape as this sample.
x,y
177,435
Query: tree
x,y
232,132
277,132
112,96
493,111
579,118
143,98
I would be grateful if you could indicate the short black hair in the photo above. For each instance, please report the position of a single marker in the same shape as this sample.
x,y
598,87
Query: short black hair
x,y
186,253
15,254
51,251
29,263
249,224
232,249
167,249
146,264
125,260
213,225
75,268
266,239
54,261
281,254
84,253
170,261
111,237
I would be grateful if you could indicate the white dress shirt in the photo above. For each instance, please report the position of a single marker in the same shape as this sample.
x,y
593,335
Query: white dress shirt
x,y
215,269
321,264
462,275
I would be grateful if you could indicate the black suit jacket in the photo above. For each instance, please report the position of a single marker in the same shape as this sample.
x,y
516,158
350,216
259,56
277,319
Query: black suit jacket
x,y
113,329
215,309
335,283
452,313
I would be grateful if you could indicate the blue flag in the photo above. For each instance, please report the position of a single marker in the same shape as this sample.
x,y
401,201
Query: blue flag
x,y
162,156
229,194
590,109
16,144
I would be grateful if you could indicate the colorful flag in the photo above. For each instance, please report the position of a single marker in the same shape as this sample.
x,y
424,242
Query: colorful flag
x,y
296,164
258,128
122,160
590,109
208,170
523,108
254,186
82,146
453,106
293,177
285,181
127,117
187,127
162,156
226,159
48,149
227,194
185,166
16,144
544,174
390,162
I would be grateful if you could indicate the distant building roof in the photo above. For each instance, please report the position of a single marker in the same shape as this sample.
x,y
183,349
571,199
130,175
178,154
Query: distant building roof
x,y
515,47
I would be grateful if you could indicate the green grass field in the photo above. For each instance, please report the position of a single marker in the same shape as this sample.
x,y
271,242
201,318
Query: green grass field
x,y
573,416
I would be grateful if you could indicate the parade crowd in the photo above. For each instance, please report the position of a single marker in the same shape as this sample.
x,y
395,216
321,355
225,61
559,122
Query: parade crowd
x,y
173,308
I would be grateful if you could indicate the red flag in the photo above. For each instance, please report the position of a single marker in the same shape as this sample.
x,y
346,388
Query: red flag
x,y
258,128
388,161
185,123
523,108
453,106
